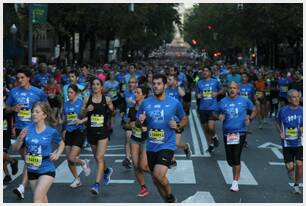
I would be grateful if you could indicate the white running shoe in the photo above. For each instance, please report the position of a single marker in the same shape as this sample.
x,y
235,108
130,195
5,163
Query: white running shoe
x,y
86,167
19,191
234,186
296,190
76,183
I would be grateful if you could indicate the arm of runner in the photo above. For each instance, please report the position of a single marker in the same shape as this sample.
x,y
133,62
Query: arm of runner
x,y
20,139
57,153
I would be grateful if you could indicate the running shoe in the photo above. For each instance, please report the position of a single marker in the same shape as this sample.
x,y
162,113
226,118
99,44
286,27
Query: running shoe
x,y
173,164
187,151
107,175
86,167
210,149
143,192
235,187
95,189
127,163
76,183
19,191
215,140
171,199
7,179
14,166
296,189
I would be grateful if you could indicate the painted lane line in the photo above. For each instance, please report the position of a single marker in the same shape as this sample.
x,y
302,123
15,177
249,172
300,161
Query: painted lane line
x,y
270,145
246,177
122,181
278,154
200,197
201,133
63,175
277,163
183,173
194,136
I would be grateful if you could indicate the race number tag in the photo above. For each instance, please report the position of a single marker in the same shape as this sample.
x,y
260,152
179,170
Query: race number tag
x,y
283,88
157,136
24,115
97,120
207,94
71,117
291,133
259,94
245,95
233,138
136,132
33,161
4,125
112,93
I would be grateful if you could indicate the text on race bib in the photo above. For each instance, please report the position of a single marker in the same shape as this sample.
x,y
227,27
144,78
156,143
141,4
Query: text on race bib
x,y
233,138
97,120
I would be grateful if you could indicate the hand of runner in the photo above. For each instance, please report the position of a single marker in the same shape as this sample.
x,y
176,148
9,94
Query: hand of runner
x,y
23,133
90,108
282,135
142,117
54,156
17,108
221,117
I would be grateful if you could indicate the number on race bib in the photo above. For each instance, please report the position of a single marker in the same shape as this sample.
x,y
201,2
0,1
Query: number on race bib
x,y
233,138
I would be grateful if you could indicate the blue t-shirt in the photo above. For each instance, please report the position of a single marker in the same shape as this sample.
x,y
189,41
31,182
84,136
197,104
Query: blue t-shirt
x,y
127,95
158,115
41,78
82,80
173,93
113,89
40,144
26,98
291,121
230,78
182,79
80,94
206,88
65,79
235,111
247,91
283,84
72,112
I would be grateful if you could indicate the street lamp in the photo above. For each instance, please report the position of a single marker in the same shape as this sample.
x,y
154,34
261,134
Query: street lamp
x,y
13,29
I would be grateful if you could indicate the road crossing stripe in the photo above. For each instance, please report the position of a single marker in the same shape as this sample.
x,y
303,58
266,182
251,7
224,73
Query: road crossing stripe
x,y
200,197
115,155
122,181
276,163
20,169
194,136
201,133
246,177
63,174
183,173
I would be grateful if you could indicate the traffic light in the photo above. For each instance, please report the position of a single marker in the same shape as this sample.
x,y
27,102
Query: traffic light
x,y
253,55
210,27
194,42
216,54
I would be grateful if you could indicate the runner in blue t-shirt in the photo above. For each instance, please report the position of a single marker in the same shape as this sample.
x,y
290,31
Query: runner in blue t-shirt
x,y
73,78
20,101
41,79
290,127
283,85
236,113
38,138
207,90
159,112
74,134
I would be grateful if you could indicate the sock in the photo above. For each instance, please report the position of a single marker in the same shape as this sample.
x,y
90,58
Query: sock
x,y
144,186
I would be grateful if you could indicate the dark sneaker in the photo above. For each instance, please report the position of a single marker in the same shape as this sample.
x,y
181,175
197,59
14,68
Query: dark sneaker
x,y
127,163
7,179
14,166
107,175
95,189
173,163
19,191
171,199
187,151
216,141
210,148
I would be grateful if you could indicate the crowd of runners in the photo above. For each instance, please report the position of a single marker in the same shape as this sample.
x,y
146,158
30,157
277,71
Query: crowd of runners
x,y
75,107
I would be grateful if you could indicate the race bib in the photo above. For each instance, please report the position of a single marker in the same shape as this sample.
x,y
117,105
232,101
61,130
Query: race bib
x,y
283,88
233,138
71,117
33,161
267,93
291,133
274,101
136,132
259,94
207,94
112,93
245,95
97,120
4,125
123,87
157,136
24,115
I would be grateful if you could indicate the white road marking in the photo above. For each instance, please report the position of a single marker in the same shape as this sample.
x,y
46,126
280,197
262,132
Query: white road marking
x,y
277,163
246,177
201,133
270,145
20,169
183,173
117,155
278,154
200,197
194,136
122,181
63,174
